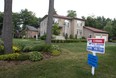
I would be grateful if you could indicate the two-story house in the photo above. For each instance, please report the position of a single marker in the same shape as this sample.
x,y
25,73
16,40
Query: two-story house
x,y
68,25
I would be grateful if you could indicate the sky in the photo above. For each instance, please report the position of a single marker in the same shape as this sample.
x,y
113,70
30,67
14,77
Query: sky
x,y
85,8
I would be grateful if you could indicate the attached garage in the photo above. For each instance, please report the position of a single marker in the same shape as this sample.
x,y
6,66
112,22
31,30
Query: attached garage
x,y
90,32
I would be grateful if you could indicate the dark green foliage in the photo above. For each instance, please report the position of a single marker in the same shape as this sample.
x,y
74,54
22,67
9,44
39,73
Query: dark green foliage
x,y
43,37
27,49
28,18
37,48
1,49
56,29
71,13
23,57
66,36
46,48
71,36
68,41
75,36
35,56
83,38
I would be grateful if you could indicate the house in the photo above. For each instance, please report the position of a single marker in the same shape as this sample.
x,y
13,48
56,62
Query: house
x,y
31,32
67,25
90,32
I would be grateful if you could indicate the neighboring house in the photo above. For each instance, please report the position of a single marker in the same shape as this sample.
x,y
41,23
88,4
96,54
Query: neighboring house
x,y
68,25
31,32
90,32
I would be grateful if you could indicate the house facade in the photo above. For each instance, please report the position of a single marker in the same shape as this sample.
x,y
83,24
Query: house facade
x,y
31,32
67,25
90,32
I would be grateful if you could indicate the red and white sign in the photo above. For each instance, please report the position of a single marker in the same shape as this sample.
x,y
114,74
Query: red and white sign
x,y
96,45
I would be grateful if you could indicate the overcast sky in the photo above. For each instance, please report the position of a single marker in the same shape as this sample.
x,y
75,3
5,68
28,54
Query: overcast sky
x,y
104,8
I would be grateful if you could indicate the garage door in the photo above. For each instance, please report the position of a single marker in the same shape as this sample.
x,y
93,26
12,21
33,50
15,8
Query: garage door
x,y
104,37
98,37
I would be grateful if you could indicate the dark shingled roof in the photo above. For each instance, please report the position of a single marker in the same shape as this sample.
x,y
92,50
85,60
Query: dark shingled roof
x,y
63,17
31,28
95,30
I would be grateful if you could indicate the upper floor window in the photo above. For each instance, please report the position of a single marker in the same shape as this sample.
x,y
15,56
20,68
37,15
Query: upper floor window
x,y
55,20
66,23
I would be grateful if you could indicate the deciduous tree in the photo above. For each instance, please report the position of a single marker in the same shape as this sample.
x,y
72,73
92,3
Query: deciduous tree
x,y
71,13
7,26
50,21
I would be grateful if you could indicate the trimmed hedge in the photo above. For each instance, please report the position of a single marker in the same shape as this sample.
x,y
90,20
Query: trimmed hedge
x,y
69,41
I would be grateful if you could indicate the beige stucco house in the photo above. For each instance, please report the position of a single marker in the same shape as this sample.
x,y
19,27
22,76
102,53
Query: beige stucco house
x,y
68,25
90,32
31,32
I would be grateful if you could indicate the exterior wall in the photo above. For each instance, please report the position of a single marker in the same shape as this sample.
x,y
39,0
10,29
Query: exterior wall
x,y
64,25
79,28
43,26
69,27
31,34
87,33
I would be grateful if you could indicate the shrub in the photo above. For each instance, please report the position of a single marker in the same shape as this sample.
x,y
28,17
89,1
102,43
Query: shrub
x,y
35,56
55,53
23,56
16,49
75,36
9,57
27,49
66,36
71,37
38,48
43,37
20,45
1,49
46,48
83,38
55,47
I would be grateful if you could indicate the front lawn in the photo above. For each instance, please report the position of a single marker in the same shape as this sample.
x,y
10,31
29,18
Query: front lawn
x,y
72,63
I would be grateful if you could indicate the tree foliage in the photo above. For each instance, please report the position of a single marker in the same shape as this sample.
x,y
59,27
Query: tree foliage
x,y
28,18
108,28
23,18
71,13
55,29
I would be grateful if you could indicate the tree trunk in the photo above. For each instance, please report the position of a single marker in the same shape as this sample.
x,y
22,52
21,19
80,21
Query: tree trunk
x,y
50,21
7,26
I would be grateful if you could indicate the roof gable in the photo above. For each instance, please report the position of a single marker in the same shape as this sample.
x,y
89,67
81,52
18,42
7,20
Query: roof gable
x,y
31,28
62,17
95,29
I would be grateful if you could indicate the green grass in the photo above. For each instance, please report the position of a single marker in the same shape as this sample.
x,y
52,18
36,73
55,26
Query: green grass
x,y
72,63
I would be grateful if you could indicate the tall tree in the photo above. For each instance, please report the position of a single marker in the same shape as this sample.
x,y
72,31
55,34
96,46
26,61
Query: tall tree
x,y
108,28
7,26
28,18
71,13
50,21
1,22
114,28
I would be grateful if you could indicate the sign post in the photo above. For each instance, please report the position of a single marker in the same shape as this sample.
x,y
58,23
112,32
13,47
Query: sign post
x,y
95,46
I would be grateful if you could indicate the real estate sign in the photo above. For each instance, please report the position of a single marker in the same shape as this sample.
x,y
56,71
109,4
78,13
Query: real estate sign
x,y
96,45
